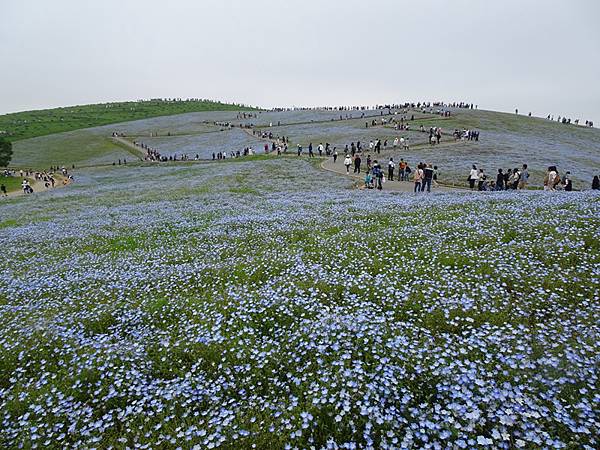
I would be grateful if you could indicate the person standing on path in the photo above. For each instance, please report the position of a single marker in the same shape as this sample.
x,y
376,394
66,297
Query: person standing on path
x,y
402,170
3,190
481,180
500,181
507,176
310,151
427,178
299,149
357,162
418,178
473,177
347,162
568,183
378,174
335,155
391,167
550,179
524,177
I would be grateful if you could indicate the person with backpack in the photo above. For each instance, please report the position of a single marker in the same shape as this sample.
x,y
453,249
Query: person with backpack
x,y
378,174
391,167
427,178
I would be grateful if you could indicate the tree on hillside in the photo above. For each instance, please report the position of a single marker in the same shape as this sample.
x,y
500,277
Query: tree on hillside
x,y
5,152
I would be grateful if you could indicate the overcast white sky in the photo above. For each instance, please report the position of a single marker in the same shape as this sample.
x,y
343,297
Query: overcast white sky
x,y
538,55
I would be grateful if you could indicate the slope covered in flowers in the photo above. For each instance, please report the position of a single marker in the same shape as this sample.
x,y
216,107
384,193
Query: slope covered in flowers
x,y
264,303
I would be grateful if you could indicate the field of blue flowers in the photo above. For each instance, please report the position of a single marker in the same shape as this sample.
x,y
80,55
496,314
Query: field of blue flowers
x,y
263,304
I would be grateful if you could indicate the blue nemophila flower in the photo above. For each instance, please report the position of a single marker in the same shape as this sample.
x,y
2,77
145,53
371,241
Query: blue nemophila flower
x,y
316,317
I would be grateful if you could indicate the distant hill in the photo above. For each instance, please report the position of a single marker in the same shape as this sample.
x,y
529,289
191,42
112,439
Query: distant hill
x,y
28,124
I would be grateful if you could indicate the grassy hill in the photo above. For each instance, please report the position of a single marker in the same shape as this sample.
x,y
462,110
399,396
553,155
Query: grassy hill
x,y
507,140
28,124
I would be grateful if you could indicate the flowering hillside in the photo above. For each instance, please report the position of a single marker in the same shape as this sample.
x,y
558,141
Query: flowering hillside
x,y
262,303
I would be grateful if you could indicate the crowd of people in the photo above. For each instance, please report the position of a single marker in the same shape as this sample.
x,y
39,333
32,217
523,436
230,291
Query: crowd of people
x,y
518,179
565,120
424,176
45,177
247,151
510,179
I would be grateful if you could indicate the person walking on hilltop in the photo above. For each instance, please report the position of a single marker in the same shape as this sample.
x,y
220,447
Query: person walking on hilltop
x,y
347,162
473,177
391,167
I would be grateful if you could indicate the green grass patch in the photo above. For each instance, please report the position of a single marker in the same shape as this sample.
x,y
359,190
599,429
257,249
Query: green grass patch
x,y
28,124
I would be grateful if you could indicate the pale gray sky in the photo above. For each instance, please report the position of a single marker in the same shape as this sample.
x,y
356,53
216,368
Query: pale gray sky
x,y
537,55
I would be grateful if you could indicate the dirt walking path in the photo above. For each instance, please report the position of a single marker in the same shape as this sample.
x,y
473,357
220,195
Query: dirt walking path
x,y
397,186
131,147
37,186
